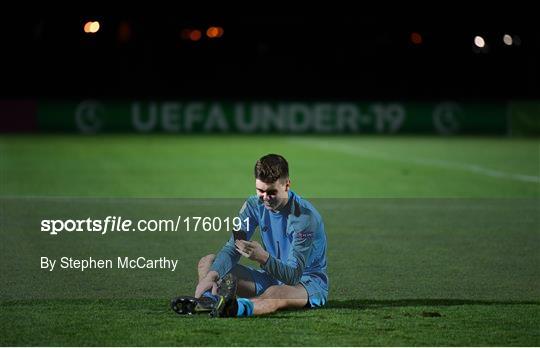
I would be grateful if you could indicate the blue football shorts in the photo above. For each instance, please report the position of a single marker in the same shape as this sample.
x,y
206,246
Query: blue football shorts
x,y
315,288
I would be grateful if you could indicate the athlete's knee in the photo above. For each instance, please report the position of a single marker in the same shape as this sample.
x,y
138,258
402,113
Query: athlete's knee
x,y
272,293
284,296
206,261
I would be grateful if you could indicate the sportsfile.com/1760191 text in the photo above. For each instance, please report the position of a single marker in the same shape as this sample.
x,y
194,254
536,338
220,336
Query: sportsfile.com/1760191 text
x,y
119,224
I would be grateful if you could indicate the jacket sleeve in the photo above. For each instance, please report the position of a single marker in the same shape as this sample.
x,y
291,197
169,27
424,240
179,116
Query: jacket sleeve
x,y
228,257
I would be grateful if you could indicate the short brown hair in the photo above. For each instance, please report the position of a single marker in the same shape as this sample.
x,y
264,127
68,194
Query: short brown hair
x,y
271,167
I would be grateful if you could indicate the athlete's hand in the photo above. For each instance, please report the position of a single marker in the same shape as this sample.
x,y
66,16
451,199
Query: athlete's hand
x,y
207,283
252,250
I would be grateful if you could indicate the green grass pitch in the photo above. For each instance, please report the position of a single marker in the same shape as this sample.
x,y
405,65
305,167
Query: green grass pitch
x,y
431,241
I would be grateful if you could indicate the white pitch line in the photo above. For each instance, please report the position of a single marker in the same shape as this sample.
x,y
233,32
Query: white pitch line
x,y
467,167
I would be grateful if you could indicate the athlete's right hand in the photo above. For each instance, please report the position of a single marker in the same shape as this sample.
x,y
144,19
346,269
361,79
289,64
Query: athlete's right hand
x,y
207,283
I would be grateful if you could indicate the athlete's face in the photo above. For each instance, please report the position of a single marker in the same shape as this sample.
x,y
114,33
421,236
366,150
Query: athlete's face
x,y
274,195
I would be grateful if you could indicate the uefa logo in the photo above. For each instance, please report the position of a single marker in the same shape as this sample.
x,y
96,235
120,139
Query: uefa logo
x,y
89,116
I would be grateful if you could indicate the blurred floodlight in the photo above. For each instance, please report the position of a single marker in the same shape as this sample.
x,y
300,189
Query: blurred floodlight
x,y
416,38
195,35
86,27
214,32
191,34
91,27
507,39
94,27
479,41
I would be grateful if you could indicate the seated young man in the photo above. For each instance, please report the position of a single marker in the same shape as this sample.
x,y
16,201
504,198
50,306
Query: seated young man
x,y
292,262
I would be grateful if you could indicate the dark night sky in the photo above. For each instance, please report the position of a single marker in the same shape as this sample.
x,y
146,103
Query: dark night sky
x,y
344,53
